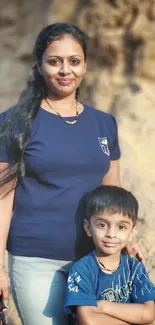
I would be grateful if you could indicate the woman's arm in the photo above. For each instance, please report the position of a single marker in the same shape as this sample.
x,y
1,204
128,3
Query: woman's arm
x,y
89,315
133,313
113,175
6,206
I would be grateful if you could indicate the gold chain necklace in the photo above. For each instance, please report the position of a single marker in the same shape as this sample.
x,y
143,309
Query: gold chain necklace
x,y
66,121
103,266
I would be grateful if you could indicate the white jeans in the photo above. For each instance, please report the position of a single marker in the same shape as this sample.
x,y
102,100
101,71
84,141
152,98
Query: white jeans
x,y
38,289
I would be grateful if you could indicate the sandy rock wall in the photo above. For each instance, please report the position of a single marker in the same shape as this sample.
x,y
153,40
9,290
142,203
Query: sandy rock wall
x,y
20,22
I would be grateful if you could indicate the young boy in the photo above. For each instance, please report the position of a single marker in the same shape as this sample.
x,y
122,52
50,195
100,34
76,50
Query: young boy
x,y
107,287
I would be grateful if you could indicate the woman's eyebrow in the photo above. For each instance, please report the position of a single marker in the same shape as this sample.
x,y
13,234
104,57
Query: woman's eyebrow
x,y
58,56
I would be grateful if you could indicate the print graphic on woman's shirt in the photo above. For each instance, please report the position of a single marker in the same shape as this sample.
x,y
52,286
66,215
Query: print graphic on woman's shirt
x,y
104,145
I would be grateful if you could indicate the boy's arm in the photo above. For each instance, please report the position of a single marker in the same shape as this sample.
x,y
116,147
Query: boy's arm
x,y
80,296
90,315
130,312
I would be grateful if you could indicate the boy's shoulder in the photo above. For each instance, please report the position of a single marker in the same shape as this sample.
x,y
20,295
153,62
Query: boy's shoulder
x,y
86,263
131,260
131,263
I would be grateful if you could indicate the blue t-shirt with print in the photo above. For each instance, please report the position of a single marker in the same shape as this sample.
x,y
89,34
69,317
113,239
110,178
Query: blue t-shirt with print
x,y
87,283
62,163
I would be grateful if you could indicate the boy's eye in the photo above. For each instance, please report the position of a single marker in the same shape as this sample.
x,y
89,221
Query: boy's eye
x,y
121,227
102,225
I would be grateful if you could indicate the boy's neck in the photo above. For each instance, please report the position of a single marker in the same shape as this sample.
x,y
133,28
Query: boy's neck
x,y
108,263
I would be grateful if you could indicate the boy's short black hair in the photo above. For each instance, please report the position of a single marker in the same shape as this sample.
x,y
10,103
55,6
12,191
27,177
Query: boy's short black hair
x,y
111,199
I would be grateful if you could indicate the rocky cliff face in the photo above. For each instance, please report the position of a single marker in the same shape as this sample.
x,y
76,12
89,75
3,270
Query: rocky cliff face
x,y
120,79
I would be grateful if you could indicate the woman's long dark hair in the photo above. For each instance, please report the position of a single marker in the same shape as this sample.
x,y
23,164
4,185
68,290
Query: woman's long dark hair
x,y
18,127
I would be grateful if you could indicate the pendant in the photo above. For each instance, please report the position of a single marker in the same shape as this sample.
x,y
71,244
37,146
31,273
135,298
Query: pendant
x,y
71,122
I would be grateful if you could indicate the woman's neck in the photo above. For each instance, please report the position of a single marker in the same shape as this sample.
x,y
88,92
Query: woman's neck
x,y
66,106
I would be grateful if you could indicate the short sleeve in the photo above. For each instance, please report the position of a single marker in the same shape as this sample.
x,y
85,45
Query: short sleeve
x,y
79,291
113,142
143,288
5,146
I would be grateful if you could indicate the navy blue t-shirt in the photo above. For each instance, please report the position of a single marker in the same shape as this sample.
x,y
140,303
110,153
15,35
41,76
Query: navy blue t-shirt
x,y
87,283
62,163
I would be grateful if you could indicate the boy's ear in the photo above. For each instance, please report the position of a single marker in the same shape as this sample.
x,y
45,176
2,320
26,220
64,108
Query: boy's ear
x,y
87,228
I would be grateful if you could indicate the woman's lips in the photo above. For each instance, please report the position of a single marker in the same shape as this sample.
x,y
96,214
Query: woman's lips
x,y
65,82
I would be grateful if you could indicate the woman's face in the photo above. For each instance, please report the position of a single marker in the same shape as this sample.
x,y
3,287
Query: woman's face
x,y
63,66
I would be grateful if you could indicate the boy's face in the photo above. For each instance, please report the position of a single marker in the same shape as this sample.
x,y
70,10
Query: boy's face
x,y
110,233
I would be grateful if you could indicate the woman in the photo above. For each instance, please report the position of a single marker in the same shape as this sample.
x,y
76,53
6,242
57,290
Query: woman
x,y
56,149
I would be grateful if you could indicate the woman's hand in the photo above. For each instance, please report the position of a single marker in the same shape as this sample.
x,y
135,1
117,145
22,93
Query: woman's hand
x,y
4,287
133,250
